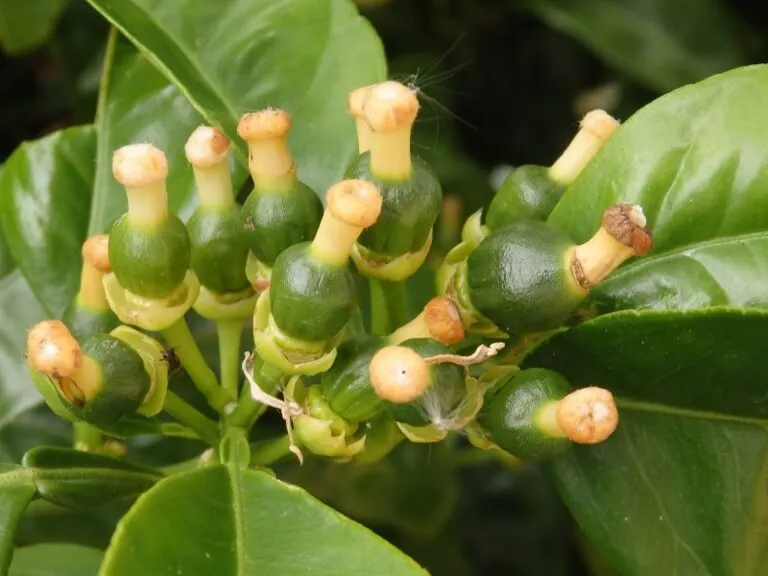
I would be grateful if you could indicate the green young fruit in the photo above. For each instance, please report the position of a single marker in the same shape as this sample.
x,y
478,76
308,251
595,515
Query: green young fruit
x,y
274,220
397,244
280,211
311,299
100,380
535,415
346,387
530,192
409,211
218,250
149,248
149,261
518,416
530,277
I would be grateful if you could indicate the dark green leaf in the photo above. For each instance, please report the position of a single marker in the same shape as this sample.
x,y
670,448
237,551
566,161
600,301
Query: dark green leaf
x,y
44,188
243,522
33,428
7,265
78,479
27,25
56,560
685,473
661,44
304,56
20,311
138,104
697,163
16,491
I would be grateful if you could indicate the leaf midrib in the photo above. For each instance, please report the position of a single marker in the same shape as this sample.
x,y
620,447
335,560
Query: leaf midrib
x,y
676,411
160,65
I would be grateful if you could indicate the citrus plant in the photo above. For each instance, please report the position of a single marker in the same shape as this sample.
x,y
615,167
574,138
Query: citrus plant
x,y
227,258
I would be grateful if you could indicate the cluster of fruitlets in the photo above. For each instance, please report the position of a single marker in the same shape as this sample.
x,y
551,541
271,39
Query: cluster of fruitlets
x,y
292,269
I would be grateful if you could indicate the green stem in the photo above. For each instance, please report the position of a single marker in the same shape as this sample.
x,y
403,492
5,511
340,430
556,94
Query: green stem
x,y
86,437
185,413
249,410
181,340
230,336
388,306
268,452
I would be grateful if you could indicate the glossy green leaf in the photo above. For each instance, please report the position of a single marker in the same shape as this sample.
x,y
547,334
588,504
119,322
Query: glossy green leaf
x,y
697,163
243,522
78,479
44,188
684,474
27,25
20,311
16,491
138,104
661,44
7,265
33,428
56,560
240,55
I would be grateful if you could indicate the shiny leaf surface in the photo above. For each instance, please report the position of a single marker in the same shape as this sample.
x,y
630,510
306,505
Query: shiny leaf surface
x,y
695,160
56,560
693,416
45,187
241,55
661,44
243,522
138,104
20,312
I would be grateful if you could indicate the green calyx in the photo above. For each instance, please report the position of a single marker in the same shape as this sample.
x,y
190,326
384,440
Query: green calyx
x,y
218,249
274,220
346,387
290,355
226,306
311,300
147,313
461,416
528,193
451,281
383,267
149,261
517,417
519,278
443,396
258,273
152,354
409,210
319,429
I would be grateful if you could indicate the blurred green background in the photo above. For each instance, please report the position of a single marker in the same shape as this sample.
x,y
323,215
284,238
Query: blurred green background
x,y
502,83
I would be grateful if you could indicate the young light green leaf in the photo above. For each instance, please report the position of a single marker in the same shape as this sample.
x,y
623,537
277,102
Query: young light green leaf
x,y
693,417
238,522
16,491
45,187
695,160
27,25
304,56
661,44
56,560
